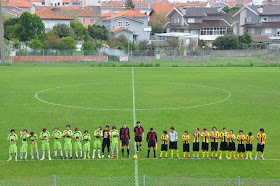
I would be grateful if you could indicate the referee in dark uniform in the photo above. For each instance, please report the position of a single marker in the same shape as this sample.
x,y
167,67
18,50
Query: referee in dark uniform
x,y
138,136
152,141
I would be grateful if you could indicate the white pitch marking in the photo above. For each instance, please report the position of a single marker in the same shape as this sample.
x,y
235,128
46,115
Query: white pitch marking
x,y
134,124
176,108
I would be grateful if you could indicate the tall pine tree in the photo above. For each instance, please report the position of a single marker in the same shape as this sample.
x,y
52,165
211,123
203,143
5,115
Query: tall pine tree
x,y
129,5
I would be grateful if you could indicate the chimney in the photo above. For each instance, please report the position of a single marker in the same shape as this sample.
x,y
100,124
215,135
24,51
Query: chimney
x,y
260,9
111,14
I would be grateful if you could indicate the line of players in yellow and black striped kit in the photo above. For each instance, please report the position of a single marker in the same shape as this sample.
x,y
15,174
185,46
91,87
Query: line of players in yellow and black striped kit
x,y
110,140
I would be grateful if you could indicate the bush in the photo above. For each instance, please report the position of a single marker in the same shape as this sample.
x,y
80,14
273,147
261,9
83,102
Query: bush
x,y
88,48
226,42
36,44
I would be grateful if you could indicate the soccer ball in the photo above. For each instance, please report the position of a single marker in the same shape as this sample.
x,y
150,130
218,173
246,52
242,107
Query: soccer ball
x,y
135,157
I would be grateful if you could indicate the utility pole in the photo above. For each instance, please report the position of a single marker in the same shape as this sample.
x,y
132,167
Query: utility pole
x,y
2,36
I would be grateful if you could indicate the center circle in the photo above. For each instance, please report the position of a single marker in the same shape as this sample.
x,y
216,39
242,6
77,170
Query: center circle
x,y
119,96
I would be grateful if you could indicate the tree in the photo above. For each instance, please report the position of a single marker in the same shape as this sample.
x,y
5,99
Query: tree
x,y
226,42
245,39
68,43
53,42
158,22
29,27
10,27
129,5
144,45
63,30
81,33
88,47
36,44
98,32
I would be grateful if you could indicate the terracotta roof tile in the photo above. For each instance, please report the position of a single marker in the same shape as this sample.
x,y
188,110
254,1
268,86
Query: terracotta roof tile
x,y
126,13
17,3
120,29
49,14
165,8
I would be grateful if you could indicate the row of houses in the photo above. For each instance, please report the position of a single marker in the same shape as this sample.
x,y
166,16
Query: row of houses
x,y
200,20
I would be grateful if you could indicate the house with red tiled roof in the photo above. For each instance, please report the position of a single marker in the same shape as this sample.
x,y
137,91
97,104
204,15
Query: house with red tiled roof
x,y
130,23
23,4
158,9
51,18
86,15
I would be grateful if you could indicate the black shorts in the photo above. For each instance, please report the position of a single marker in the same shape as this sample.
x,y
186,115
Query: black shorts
x,y
223,146
231,146
152,144
260,147
241,148
249,147
196,146
205,146
173,145
163,147
214,146
125,142
106,142
186,147
138,138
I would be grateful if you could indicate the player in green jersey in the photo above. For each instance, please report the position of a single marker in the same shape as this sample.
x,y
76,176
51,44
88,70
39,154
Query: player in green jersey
x,y
86,147
12,138
45,138
77,136
114,134
33,145
97,142
67,135
24,145
57,135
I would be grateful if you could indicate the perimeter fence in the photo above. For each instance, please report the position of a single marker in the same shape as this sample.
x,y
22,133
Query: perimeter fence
x,y
142,180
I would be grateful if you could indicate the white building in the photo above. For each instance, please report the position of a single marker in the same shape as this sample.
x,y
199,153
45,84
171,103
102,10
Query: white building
x,y
51,18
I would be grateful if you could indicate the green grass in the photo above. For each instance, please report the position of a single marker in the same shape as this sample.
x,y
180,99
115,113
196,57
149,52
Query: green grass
x,y
254,104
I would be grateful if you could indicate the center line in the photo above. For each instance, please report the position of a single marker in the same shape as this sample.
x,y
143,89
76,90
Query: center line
x,y
134,124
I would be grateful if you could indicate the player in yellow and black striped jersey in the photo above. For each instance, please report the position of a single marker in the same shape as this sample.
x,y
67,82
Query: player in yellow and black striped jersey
x,y
249,145
261,137
231,144
224,143
186,144
205,143
241,147
214,135
196,135
164,142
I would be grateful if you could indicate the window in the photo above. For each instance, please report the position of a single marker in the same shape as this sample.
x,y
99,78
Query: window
x,y
248,20
191,20
178,20
275,18
120,24
43,3
126,23
252,30
278,31
92,20
268,30
263,19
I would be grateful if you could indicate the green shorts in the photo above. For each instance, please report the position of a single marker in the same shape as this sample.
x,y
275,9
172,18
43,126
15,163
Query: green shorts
x,y
67,145
13,148
33,147
57,145
45,146
97,145
114,145
86,147
24,147
77,145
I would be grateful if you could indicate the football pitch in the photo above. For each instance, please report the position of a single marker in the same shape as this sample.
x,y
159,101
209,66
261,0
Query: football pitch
x,y
246,98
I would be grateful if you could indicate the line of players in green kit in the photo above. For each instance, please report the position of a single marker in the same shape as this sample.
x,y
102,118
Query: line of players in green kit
x,y
81,143
110,139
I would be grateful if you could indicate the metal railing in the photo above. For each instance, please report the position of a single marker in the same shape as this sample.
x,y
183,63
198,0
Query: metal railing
x,y
143,180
